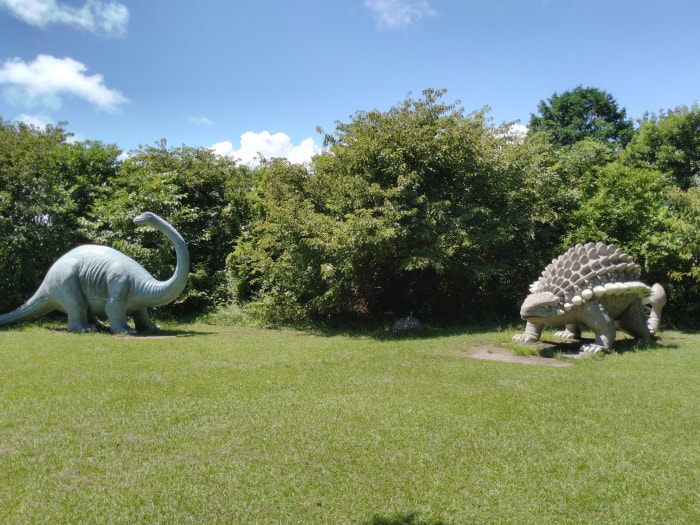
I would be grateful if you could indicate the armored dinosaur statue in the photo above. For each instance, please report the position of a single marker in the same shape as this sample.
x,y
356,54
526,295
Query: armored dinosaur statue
x,y
91,281
593,285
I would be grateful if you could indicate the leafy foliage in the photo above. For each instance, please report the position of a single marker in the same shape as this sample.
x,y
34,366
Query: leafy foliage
x,y
670,143
623,205
582,112
412,210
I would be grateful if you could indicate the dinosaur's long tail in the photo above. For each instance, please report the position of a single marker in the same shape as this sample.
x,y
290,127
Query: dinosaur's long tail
x,y
36,306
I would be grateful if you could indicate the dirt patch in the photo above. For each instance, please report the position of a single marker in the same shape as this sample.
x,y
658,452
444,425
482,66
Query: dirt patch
x,y
496,353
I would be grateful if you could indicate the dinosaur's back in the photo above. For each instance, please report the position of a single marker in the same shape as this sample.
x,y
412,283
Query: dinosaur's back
x,y
96,271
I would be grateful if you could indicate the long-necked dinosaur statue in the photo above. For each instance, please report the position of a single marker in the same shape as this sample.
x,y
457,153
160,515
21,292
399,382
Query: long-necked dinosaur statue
x,y
91,282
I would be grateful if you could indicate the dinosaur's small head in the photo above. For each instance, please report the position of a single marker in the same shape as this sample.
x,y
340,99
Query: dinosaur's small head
x,y
146,218
540,305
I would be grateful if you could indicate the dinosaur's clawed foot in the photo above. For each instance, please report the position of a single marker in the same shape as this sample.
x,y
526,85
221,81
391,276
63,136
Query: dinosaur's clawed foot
x,y
524,338
101,326
566,336
592,349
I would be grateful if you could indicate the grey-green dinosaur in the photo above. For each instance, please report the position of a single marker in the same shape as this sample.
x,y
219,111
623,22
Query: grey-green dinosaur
x,y
92,282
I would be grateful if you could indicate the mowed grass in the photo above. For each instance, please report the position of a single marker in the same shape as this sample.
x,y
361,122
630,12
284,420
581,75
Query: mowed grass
x,y
214,424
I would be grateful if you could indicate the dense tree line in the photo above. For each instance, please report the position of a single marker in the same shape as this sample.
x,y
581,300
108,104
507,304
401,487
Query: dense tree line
x,y
420,209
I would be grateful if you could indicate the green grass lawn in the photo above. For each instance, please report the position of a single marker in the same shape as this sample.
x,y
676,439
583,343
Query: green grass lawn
x,y
213,424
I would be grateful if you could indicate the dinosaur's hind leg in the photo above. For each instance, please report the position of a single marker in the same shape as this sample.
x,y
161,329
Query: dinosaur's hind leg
x,y
143,321
596,317
572,333
73,302
62,284
634,321
116,314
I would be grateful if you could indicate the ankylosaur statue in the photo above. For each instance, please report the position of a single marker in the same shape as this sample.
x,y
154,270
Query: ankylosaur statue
x,y
595,285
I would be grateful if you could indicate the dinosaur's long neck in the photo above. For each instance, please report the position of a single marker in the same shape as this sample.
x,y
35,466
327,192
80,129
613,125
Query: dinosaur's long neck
x,y
163,292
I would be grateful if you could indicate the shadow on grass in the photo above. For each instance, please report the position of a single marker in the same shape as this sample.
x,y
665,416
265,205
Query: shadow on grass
x,y
170,333
59,326
688,330
620,346
410,518
382,332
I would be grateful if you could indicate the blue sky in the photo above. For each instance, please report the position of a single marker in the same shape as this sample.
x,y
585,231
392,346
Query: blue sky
x,y
261,75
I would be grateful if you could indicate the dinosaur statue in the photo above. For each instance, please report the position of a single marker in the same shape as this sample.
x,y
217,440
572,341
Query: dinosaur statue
x,y
595,285
92,281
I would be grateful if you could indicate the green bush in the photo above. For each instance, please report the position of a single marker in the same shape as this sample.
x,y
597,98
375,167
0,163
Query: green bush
x,y
417,209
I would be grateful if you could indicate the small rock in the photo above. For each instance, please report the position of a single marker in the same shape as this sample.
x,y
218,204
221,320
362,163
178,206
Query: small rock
x,y
406,325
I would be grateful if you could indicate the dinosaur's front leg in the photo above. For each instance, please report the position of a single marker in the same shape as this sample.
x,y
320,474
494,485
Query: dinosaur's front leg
x,y
595,316
531,334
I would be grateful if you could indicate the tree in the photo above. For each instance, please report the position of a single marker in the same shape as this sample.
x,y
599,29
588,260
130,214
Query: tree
x,y
670,143
280,260
580,113
683,252
416,209
624,205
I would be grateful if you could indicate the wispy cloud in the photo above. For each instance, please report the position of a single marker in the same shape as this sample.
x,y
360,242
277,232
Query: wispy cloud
x,y
397,14
47,79
96,16
201,121
37,121
253,145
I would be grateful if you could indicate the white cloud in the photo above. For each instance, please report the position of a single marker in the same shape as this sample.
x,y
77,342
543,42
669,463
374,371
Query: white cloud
x,y
519,129
44,81
95,15
201,121
37,121
269,146
396,14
